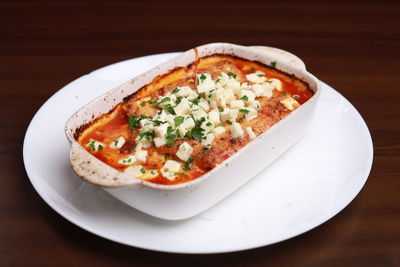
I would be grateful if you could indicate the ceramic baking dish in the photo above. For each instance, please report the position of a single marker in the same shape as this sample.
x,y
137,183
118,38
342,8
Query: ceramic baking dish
x,y
180,201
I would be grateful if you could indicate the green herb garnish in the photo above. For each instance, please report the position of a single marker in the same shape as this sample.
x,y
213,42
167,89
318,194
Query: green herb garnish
x,y
229,122
208,123
151,101
143,104
232,75
187,164
91,145
245,98
176,90
133,122
178,120
296,97
170,110
245,111
202,77
142,170
273,64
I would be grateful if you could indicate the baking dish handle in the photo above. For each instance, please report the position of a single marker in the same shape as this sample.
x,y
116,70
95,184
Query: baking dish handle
x,y
286,56
93,170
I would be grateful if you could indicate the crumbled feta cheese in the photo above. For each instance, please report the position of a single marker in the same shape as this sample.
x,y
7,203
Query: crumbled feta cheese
x,y
245,86
170,169
118,143
207,142
229,95
254,78
259,73
225,114
199,113
249,95
159,141
218,130
141,155
255,104
128,161
207,126
234,86
276,83
149,174
170,119
134,171
236,130
290,103
184,151
251,114
183,107
213,116
161,130
188,123
205,83
204,104
237,104
94,145
186,91
250,132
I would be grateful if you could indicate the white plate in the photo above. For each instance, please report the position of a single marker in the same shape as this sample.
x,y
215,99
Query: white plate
x,y
308,185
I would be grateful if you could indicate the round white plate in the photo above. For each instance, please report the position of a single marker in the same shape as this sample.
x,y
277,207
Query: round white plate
x,y
312,182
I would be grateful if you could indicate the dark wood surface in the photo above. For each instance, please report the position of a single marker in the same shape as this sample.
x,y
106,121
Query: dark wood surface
x,y
354,47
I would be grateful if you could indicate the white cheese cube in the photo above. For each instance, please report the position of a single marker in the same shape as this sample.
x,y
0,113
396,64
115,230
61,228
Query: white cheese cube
x,y
149,174
94,145
233,114
161,115
219,96
183,107
254,78
207,142
186,91
245,86
236,104
276,83
141,155
144,122
143,143
207,126
134,171
205,83
204,104
182,130
250,132
159,141
118,143
234,86
184,151
170,169
225,114
170,119
259,89
199,113
290,103
128,161
229,95
236,130
251,114
188,123
247,94
218,130
161,130
213,116
255,104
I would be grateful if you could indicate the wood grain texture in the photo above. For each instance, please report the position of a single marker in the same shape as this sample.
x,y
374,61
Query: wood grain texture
x,y
352,46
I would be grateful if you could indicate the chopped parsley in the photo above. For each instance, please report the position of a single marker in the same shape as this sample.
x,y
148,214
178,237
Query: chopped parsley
x,y
208,123
296,97
158,122
229,122
221,110
245,98
178,100
178,120
152,172
170,110
245,111
273,64
116,142
232,75
143,104
149,135
187,164
151,101
202,77
91,145
170,137
133,122
165,99
176,90
142,170
196,133
100,147
196,101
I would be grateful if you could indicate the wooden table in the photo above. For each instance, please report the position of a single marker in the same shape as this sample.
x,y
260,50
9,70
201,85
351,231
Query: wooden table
x,y
354,47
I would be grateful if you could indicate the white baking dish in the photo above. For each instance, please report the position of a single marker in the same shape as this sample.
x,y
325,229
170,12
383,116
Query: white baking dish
x,y
174,202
